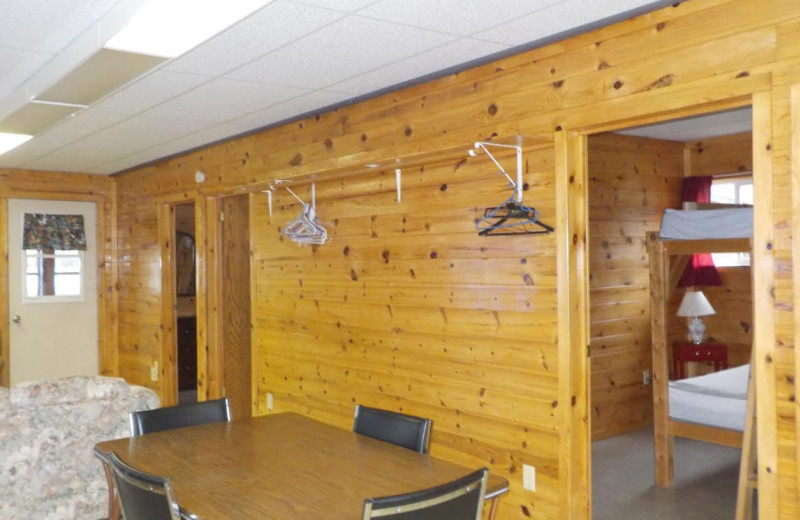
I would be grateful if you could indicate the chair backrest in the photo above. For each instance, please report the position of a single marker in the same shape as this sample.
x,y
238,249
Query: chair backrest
x,y
397,428
461,499
171,417
143,496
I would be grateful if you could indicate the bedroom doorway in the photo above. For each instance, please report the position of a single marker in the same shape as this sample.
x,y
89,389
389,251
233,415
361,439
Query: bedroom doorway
x,y
634,175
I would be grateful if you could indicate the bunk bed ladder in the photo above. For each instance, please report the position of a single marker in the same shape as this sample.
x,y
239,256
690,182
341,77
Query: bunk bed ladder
x,y
748,474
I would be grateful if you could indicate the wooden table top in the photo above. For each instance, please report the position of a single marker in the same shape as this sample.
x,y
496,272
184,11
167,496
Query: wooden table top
x,y
282,467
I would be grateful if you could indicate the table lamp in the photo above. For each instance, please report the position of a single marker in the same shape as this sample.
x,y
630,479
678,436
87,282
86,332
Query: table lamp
x,y
693,306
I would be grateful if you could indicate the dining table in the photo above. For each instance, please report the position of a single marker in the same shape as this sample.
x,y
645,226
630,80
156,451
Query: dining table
x,y
283,466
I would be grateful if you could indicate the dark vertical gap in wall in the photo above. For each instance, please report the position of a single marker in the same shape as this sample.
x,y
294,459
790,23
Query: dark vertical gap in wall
x,y
185,254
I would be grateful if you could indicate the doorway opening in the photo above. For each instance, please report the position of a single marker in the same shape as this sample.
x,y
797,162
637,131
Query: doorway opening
x,y
184,273
634,175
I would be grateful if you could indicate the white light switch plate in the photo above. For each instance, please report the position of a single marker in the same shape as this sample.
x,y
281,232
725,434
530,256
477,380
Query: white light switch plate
x,y
269,401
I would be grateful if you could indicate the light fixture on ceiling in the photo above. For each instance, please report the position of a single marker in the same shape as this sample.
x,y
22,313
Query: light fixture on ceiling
x,y
168,28
11,141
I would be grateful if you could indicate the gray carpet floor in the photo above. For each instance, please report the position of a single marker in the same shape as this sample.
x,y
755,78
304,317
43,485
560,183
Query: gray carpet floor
x,y
623,485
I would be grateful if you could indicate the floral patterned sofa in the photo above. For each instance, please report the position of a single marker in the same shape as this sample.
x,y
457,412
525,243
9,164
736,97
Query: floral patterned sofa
x,y
48,429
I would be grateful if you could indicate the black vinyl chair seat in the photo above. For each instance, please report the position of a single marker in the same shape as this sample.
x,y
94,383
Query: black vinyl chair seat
x,y
403,430
461,499
171,417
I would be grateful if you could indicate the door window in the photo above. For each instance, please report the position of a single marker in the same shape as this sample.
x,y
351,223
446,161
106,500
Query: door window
x,y
53,274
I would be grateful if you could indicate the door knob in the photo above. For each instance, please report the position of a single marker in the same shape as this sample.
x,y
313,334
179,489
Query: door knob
x,y
15,318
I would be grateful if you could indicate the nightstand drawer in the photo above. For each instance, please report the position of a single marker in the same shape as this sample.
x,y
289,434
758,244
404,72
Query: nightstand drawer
x,y
704,352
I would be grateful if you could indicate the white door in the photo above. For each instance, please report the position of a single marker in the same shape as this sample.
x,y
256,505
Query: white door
x,y
52,297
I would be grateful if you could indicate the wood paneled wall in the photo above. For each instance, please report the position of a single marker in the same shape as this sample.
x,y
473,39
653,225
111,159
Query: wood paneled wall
x,y
632,180
479,371
27,184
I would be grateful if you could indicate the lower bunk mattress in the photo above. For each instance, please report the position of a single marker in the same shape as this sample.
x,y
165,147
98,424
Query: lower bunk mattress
x,y
718,399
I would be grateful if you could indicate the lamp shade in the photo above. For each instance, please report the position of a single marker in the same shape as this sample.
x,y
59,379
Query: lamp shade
x,y
695,303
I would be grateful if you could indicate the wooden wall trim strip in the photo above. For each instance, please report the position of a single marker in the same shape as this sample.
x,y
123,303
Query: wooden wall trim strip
x,y
169,367
764,301
795,167
253,200
573,336
201,284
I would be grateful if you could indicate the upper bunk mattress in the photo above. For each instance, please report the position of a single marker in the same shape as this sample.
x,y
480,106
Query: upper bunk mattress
x,y
707,223
718,399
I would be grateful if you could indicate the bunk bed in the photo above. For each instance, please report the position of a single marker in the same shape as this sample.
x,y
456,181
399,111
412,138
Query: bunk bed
x,y
691,232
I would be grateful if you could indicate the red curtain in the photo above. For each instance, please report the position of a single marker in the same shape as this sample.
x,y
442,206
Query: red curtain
x,y
701,270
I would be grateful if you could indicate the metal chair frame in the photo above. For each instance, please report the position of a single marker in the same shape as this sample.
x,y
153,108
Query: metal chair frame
x,y
150,483
398,505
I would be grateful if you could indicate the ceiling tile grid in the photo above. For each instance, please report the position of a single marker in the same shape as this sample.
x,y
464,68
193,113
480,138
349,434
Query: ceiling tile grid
x,y
352,46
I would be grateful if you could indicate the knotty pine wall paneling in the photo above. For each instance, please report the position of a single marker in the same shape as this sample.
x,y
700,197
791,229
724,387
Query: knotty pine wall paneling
x,y
714,54
632,180
64,186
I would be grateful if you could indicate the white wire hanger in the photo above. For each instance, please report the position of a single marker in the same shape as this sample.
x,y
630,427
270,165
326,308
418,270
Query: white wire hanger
x,y
305,229
511,217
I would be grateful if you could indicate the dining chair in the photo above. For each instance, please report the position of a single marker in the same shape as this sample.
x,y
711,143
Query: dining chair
x,y
143,496
461,499
171,417
403,430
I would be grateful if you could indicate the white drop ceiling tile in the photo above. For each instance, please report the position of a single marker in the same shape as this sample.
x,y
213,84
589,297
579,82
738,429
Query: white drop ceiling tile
x,y
225,99
449,55
453,16
80,155
270,28
348,6
344,49
151,90
83,123
294,107
47,26
17,65
149,129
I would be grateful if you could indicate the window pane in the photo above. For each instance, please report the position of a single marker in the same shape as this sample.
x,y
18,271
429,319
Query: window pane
x,y
32,285
746,193
53,273
731,259
31,265
724,192
68,264
68,284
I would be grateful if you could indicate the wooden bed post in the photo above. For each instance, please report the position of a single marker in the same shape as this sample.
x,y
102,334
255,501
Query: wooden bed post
x,y
659,280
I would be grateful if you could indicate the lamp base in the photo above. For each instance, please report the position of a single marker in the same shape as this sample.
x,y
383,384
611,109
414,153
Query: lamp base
x,y
697,330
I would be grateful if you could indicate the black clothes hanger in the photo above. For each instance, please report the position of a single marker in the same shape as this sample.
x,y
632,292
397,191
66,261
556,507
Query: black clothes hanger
x,y
511,217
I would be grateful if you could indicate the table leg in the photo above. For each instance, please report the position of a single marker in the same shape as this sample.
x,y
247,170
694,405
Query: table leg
x,y
493,509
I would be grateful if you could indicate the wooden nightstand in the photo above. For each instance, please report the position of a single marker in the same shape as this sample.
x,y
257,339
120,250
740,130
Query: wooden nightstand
x,y
684,352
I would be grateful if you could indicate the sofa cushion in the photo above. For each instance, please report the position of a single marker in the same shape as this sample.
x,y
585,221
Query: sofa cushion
x,y
48,430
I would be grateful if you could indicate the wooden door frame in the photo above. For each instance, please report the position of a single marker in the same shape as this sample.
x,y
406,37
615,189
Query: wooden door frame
x,y
571,185
213,371
106,327
168,359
